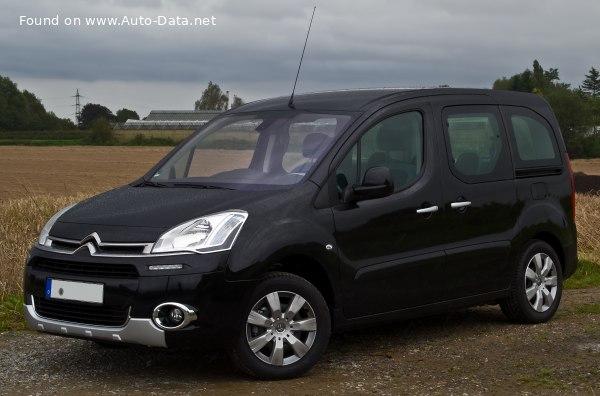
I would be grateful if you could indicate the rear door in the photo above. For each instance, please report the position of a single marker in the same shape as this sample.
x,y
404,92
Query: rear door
x,y
479,196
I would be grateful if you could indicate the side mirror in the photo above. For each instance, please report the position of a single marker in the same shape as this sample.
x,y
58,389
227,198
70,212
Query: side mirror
x,y
377,183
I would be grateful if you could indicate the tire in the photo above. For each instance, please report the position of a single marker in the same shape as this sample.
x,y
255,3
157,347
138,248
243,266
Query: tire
x,y
536,288
269,347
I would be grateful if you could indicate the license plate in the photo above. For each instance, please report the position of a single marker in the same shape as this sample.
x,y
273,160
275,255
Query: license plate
x,y
75,291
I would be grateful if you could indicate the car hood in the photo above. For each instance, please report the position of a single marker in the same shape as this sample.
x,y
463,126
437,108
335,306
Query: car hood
x,y
133,214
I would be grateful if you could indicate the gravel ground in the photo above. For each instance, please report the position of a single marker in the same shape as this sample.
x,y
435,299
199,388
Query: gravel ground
x,y
469,352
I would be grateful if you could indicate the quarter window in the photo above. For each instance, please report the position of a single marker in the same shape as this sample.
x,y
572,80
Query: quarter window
x,y
533,139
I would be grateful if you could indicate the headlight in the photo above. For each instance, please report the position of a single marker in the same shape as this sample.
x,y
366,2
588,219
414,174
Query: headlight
x,y
206,234
43,239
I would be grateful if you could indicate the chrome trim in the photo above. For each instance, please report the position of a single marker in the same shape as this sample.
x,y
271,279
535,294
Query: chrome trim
x,y
135,331
430,209
189,315
460,205
88,242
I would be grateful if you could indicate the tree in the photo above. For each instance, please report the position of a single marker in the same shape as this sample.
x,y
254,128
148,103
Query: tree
x,y
237,102
575,113
102,132
91,112
591,84
126,114
24,111
212,98
538,80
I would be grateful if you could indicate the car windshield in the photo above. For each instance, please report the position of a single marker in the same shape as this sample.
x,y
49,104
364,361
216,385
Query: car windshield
x,y
252,151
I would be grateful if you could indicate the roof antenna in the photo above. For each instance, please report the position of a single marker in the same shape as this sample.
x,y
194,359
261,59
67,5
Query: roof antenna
x,y
291,102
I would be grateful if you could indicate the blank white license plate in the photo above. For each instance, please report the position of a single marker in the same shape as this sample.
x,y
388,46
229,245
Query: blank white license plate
x,y
75,291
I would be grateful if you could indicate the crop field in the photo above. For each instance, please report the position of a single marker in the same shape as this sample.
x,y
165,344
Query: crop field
x,y
590,167
37,181
70,170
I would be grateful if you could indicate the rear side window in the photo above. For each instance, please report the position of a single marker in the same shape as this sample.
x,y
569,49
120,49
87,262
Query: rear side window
x,y
533,139
476,144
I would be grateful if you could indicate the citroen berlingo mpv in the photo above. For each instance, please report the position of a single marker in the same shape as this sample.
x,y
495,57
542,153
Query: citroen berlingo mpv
x,y
279,223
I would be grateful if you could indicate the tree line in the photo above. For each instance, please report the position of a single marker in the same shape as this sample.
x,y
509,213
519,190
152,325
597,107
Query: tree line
x,y
577,109
23,111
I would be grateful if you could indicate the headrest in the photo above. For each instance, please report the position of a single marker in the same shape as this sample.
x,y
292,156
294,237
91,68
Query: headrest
x,y
313,144
395,137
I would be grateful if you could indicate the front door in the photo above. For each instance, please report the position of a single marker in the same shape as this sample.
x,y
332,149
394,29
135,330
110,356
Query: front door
x,y
390,248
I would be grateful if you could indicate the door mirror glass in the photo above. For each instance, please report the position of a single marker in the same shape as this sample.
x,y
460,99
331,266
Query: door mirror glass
x,y
377,183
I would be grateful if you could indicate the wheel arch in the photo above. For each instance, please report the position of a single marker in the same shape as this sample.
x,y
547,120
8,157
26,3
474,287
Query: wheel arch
x,y
310,269
554,242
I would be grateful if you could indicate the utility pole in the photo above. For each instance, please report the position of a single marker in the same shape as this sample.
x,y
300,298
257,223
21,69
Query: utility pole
x,y
77,108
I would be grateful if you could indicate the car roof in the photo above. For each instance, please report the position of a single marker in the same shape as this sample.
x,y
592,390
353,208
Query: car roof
x,y
361,99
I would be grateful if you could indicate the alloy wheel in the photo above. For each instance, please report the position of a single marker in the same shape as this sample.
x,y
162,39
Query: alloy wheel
x,y
281,328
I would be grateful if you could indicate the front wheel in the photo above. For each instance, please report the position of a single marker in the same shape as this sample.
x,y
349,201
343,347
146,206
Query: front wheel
x,y
286,328
537,286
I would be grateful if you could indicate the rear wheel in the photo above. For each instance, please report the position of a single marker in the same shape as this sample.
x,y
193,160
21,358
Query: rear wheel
x,y
286,328
537,286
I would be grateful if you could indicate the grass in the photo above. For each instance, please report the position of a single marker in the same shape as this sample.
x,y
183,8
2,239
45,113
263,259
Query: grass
x,y
588,227
141,140
21,220
587,275
11,313
73,138
42,142
590,308
44,138
542,379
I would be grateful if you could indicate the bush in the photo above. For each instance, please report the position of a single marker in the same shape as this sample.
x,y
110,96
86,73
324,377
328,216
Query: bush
x,y
102,133
141,140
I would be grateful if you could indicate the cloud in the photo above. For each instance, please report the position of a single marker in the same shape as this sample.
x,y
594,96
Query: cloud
x,y
256,44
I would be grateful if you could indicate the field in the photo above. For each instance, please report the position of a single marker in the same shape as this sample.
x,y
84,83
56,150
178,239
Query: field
x,y
69,170
37,181
590,167
472,351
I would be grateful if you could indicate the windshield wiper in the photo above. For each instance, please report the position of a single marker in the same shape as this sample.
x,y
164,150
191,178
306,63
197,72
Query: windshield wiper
x,y
150,183
202,186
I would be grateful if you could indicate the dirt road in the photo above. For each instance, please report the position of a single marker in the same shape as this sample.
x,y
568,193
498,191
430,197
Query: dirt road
x,y
469,352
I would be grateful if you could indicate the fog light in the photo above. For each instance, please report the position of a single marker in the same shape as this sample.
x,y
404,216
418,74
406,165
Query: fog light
x,y
173,316
176,315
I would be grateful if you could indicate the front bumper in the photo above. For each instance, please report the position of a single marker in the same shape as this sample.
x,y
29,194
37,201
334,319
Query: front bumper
x,y
135,330
217,301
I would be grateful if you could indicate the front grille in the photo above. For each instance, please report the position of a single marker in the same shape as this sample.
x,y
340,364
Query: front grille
x,y
87,269
104,249
81,313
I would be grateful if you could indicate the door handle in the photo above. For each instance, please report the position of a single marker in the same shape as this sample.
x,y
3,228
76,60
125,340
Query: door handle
x,y
430,209
460,205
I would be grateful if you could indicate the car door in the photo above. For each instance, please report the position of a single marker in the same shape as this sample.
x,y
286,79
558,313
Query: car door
x,y
478,195
390,248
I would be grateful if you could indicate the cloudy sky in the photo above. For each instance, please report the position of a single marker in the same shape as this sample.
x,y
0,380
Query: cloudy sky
x,y
254,46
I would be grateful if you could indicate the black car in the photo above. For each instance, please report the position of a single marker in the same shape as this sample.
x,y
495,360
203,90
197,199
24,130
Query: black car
x,y
277,224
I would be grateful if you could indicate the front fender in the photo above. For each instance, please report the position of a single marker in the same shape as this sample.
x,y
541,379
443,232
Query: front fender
x,y
267,244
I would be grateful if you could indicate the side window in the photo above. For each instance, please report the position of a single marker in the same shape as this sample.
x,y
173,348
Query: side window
x,y
533,139
476,144
396,143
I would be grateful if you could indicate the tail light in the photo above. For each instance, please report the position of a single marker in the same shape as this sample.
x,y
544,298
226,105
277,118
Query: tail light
x,y
572,186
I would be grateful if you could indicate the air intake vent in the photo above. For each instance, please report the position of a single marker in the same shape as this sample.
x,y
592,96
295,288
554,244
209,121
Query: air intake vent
x,y
81,313
87,269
